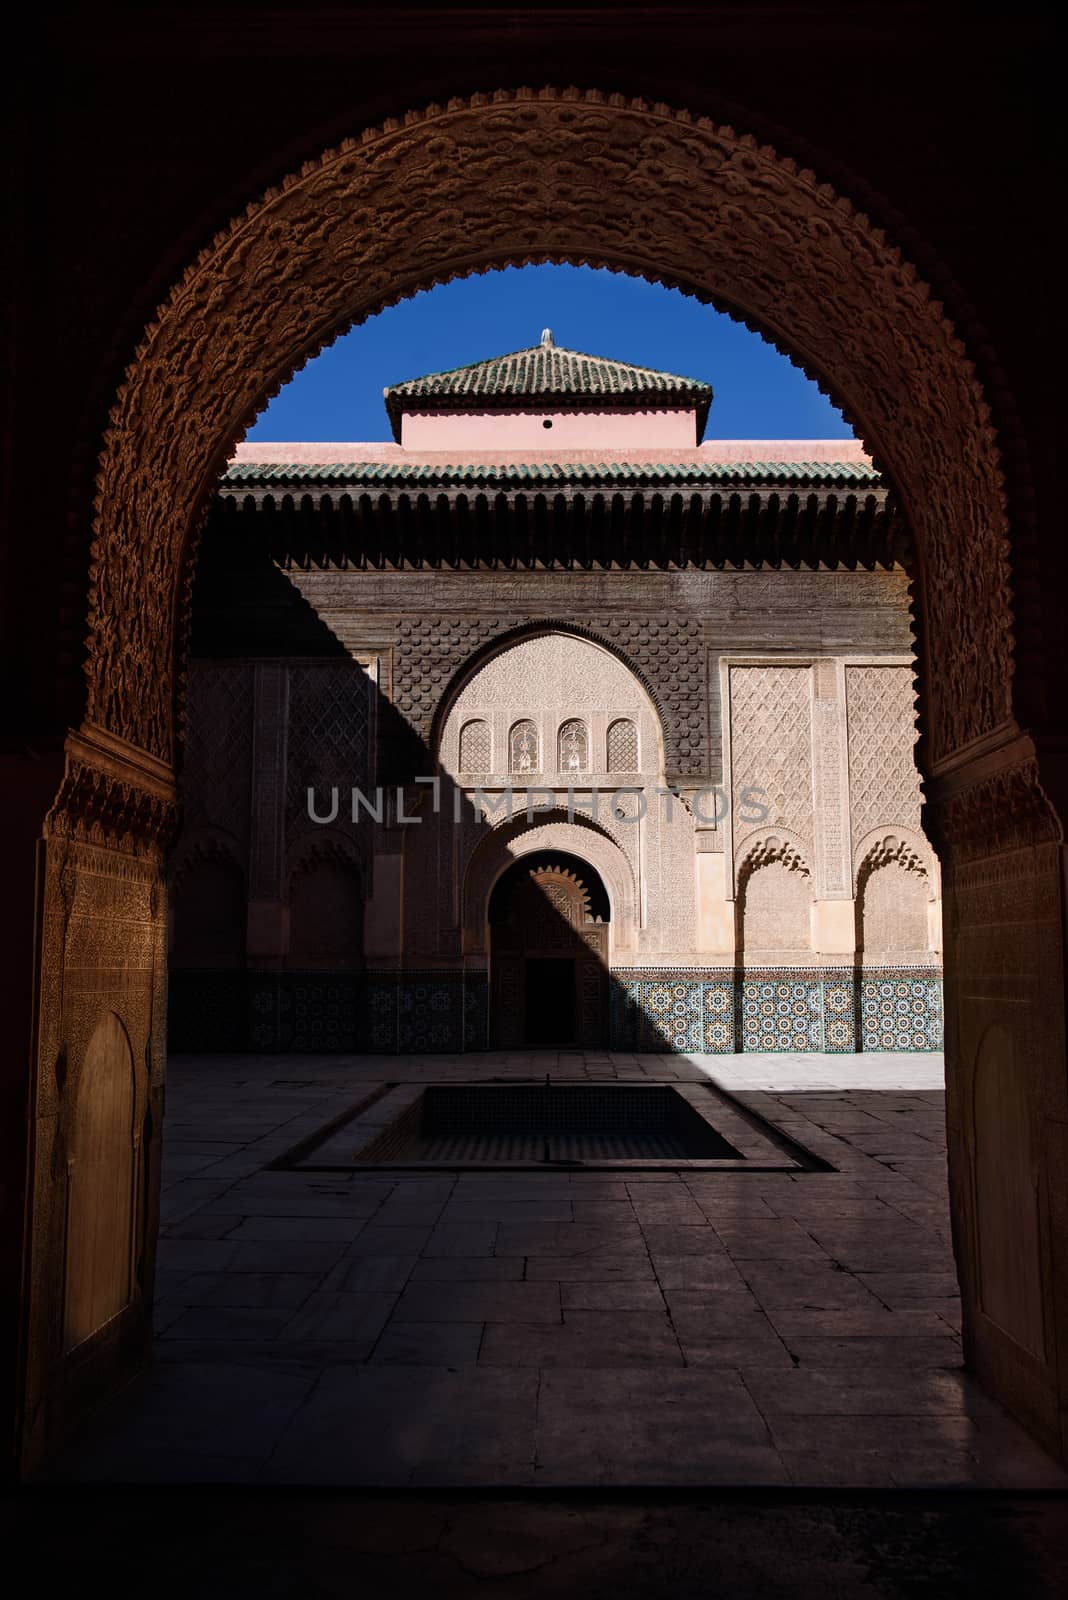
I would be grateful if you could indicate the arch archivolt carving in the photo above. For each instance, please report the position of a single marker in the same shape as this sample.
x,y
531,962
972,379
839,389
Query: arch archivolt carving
x,y
782,846
469,654
904,846
204,845
508,844
534,175
324,847
577,888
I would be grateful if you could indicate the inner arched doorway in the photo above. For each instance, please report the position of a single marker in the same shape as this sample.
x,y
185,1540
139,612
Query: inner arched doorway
x,y
559,174
549,927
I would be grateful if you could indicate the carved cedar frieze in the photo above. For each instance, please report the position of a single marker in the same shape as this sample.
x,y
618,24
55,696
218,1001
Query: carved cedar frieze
x,y
1002,811
113,796
527,176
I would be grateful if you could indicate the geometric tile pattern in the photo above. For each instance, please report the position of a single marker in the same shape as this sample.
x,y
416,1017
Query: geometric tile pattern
x,y
684,1012
430,1012
900,1011
321,1012
782,1014
476,1011
839,999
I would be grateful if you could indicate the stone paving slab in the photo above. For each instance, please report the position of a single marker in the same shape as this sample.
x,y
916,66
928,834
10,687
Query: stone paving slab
x,y
760,1347
470,1269
593,1340
526,1303
379,1423
424,1344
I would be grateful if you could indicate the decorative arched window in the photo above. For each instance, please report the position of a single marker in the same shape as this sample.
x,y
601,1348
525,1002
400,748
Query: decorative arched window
x,y
523,747
573,746
475,751
622,746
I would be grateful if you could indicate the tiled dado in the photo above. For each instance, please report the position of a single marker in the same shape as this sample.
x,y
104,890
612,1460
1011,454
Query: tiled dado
x,y
776,1009
310,1012
685,1011
412,1013
899,1010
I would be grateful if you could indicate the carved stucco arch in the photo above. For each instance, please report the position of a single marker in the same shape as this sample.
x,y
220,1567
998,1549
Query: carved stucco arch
x,y
507,844
904,845
535,175
538,627
325,846
206,844
778,844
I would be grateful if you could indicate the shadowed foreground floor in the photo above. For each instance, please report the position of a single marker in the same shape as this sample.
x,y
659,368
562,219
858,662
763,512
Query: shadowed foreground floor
x,y
557,1330
246,1544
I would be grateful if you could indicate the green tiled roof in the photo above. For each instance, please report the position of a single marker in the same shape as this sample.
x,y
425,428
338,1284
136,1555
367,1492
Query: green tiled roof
x,y
567,378
372,475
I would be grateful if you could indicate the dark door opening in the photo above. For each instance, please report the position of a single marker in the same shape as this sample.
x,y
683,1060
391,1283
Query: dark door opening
x,y
548,917
550,1000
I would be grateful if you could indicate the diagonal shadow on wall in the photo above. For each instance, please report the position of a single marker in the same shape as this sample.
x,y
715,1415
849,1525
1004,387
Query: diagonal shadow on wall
x,y
338,975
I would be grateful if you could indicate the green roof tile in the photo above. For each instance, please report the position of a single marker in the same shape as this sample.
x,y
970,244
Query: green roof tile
x,y
357,475
542,373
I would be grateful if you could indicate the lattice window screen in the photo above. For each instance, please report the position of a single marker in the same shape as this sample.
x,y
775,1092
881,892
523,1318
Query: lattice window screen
x,y
475,755
622,746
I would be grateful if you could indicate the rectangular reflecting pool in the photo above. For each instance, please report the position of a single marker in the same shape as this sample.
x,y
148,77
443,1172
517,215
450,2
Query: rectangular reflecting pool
x,y
479,1123
534,1125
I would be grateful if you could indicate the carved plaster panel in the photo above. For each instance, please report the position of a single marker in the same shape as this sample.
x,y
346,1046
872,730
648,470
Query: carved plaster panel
x,y
771,748
217,768
553,685
884,785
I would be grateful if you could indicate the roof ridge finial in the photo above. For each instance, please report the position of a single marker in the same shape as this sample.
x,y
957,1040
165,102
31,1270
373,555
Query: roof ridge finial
x,y
547,340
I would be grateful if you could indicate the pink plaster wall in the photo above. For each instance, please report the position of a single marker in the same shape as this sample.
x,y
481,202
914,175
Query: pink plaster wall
x,y
307,453
526,430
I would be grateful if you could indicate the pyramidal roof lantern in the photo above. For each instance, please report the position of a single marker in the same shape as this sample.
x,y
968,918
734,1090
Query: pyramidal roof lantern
x,y
552,387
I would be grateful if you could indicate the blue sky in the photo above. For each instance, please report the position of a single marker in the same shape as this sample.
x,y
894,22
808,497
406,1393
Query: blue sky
x,y
757,393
